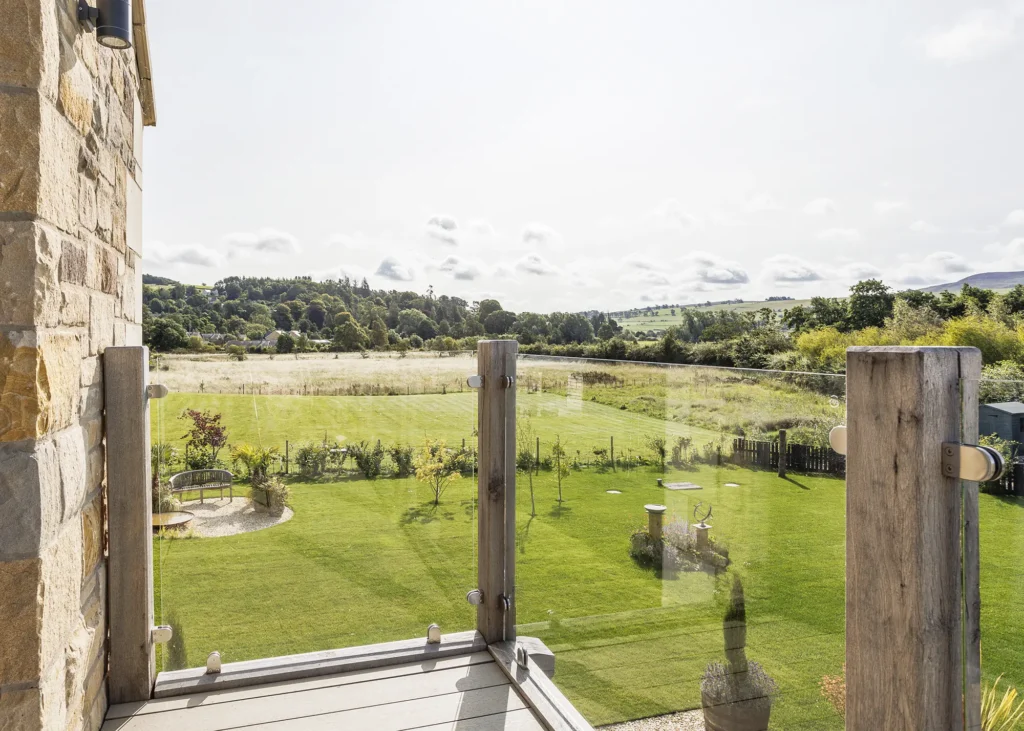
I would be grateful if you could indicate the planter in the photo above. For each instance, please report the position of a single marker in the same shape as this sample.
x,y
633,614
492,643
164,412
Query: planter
x,y
746,715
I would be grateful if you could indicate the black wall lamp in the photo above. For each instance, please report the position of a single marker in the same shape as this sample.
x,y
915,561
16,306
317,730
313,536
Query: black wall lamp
x,y
112,21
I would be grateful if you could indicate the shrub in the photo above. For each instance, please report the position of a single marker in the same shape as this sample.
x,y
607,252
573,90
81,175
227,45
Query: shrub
x,y
1001,714
369,459
438,466
271,493
401,457
833,687
657,445
204,439
236,352
256,460
312,459
680,452
163,500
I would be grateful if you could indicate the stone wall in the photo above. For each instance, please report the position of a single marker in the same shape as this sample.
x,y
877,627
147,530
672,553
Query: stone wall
x,y
70,150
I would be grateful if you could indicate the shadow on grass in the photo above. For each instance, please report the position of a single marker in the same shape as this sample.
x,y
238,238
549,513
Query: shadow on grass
x,y
801,485
560,510
523,535
425,513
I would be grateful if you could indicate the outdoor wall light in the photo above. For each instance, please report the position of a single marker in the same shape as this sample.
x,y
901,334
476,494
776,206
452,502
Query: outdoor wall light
x,y
112,21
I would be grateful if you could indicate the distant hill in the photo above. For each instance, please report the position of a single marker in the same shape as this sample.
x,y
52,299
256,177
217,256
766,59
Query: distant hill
x,y
986,280
155,280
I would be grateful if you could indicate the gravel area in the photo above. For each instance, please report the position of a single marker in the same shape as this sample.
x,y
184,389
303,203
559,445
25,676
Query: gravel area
x,y
218,518
684,721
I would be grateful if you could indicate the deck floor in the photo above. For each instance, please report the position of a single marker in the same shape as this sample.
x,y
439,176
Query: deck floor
x,y
463,693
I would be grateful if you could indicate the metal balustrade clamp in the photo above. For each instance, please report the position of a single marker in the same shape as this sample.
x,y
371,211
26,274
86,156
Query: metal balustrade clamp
x,y
967,461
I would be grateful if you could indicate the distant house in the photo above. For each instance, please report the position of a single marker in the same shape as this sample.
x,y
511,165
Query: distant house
x,y
1004,420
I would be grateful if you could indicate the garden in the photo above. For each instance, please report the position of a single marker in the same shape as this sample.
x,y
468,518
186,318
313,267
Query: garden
x,y
383,539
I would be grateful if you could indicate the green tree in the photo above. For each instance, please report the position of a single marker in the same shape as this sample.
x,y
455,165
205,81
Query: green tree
x,y
870,303
438,466
285,343
486,307
167,335
526,459
379,334
499,322
349,335
561,464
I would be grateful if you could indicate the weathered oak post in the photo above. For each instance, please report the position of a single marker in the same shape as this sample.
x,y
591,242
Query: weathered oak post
x,y
130,524
496,492
782,453
904,601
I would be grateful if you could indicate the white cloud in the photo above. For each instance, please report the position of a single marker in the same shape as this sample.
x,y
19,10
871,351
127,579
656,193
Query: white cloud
x,y
1010,254
939,266
923,227
442,228
786,269
706,268
266,240
346,271
459,268
820,207
541,236
645,278
533,263
161,254
976,35
480,227
946,262
641,262
391,268
859,270
840,235
1015,218
883,207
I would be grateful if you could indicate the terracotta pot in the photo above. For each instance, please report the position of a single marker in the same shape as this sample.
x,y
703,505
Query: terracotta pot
x,y
737,716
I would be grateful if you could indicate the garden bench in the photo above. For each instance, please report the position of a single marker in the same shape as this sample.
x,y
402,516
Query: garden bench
x,y
203,480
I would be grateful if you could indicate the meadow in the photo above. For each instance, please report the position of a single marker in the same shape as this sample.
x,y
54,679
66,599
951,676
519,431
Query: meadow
x,y
661,318
368,561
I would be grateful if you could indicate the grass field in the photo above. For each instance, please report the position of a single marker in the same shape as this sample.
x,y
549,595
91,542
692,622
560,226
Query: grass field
x,y
365,562
662,318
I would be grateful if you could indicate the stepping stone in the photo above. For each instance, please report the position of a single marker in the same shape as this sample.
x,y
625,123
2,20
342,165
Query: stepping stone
x,y
732,484
682,486
614,492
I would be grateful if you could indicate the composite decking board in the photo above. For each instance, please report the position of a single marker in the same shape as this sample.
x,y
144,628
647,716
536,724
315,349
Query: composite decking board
x,y
160,705
418,688
521,720
453,709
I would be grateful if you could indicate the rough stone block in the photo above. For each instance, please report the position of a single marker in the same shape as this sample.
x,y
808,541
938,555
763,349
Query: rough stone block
x,y
105,206
70,446
74,263
28,274
75,95
74,306
30,499
29,45
22,416
20,710
96,465
92,536
91,373
20,606
93,431
61,587
133,335
57,194
19,154
101,322
87,211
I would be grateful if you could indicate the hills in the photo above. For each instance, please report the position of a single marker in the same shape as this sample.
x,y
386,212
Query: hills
x,y
985,280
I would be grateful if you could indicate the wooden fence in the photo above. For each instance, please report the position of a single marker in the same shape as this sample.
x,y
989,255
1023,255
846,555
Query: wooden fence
x,y
799,457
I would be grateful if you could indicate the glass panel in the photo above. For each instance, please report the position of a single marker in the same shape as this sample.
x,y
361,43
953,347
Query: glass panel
x,y
366,550
1001,537
749,568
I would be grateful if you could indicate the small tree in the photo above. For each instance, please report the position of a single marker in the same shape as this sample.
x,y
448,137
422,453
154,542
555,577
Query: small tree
x,y
526,459
204,439
285,343
438,466
561,464
658,446
236,352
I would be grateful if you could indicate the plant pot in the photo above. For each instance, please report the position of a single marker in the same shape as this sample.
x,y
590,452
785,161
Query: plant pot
x,y
746,715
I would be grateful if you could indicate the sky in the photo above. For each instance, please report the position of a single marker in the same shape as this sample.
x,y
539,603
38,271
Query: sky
x,y
586,155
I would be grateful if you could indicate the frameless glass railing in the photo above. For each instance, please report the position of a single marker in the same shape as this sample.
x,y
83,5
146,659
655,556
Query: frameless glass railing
x,y
681,541
1000,526
311,502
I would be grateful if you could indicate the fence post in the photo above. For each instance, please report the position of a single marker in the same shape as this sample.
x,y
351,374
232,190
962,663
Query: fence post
x,y
496,490
782,452
613,452
130,524
904,629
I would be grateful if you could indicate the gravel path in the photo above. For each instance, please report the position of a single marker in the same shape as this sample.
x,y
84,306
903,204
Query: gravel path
x,y
218,518
684,721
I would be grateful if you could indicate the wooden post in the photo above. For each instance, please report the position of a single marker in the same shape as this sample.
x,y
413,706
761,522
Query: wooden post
x,y
496,533
130,524
286,456
612,443
537,465
969,400
904,631
782,452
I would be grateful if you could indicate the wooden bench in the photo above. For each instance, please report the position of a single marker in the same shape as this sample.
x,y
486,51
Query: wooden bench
x,y
203,480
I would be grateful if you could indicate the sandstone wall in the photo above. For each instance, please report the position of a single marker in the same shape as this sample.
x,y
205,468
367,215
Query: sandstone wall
x,y
70,283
